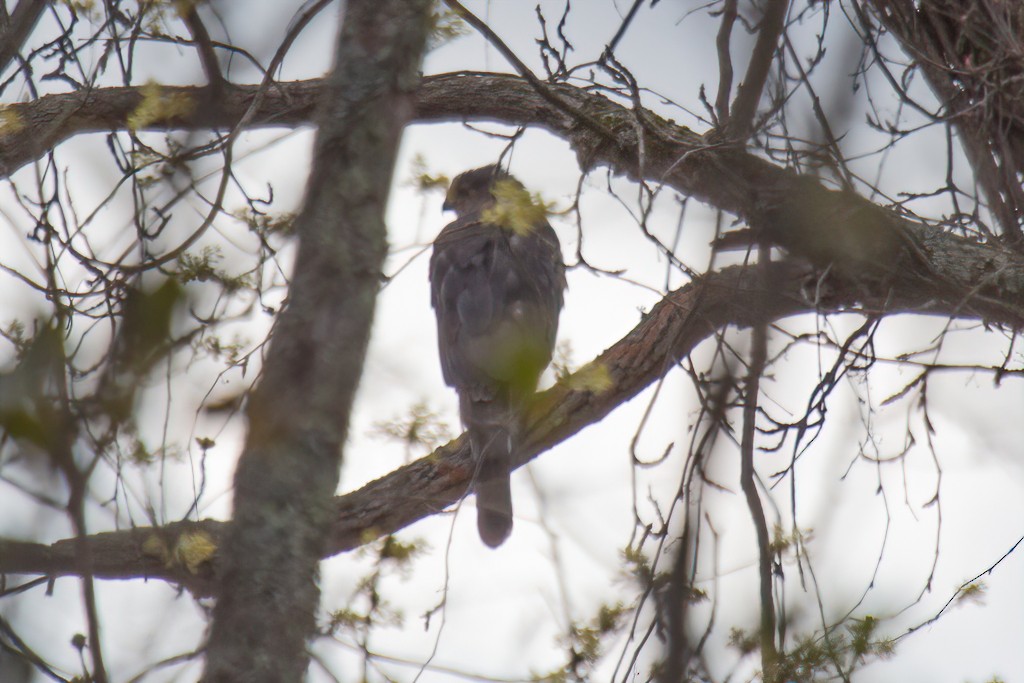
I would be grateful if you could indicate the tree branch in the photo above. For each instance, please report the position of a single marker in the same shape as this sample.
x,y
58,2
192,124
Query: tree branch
x,y
17,29
204,47
748,483
183,552
725,73
825,226
744,108
978,81
879,263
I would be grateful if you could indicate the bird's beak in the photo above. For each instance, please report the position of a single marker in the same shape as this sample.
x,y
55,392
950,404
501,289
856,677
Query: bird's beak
x,y
447,206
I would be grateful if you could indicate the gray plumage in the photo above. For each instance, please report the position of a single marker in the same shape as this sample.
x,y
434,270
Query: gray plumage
x,y
497,293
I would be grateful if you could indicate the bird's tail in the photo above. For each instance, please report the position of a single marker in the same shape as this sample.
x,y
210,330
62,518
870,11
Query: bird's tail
x,y
493,435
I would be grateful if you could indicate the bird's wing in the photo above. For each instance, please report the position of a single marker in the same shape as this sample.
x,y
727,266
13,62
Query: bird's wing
x,y
497,295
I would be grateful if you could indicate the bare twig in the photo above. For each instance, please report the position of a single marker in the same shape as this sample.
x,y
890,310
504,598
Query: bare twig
x,y
623,27
725,72
765,569
543,90
744,107
17,29
207,55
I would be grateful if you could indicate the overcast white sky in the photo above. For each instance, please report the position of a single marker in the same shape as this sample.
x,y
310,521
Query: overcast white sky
x,y
506,609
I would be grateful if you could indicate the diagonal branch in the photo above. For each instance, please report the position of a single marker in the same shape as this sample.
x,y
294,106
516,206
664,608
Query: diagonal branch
x,y
725,73
670,331
748,96
17,27
183,552
204,46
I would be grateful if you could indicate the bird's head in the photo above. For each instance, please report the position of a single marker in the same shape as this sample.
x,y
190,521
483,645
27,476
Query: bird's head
x,y
471,191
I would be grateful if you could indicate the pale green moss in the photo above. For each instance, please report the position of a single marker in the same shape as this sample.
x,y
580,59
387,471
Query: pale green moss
x,y
593,377
158,105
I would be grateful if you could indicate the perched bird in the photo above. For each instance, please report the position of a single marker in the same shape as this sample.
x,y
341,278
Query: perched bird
x,y
496,283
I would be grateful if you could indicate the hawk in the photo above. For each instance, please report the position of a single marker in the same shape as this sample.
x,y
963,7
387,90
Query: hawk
x,y
496,283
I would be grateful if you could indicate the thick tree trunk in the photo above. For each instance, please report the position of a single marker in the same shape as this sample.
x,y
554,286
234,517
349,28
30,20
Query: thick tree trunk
x,y
267,593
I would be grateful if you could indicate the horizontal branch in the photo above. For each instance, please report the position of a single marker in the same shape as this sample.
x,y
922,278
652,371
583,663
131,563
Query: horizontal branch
x,y
834,229
878,263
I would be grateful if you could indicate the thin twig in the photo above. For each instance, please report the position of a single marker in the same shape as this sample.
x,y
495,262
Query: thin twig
x,y
18,28
204,46
610,48
725,71
744,108
758,357
524,71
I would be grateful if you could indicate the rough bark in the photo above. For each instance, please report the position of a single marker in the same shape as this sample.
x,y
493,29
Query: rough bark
x,y
670,331
971,52
796,212
298,414
880,263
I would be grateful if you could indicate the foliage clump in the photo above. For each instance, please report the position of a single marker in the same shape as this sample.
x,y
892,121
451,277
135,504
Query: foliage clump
x,y
202,267
822,657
